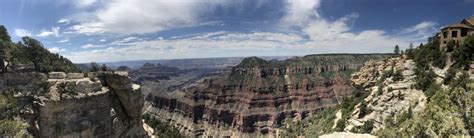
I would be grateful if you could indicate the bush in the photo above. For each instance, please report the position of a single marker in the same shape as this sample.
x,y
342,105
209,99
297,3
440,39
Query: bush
x,y
363,110
66,88
398,76
367,127
11,128
423,78
461,81
340,125
8,104
450,75
429,54
162,129
380,90
463,55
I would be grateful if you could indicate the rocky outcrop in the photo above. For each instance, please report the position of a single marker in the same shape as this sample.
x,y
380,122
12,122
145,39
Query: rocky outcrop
x,y
71,105
387,96
258,95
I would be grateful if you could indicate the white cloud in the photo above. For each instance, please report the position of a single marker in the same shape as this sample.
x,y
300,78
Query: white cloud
x,y
215,45
138,17
421,27
314,34
63,41
22,32
126,40
419,32
56,50
102,40
86,46
84,3
300,12
88,28
64,21
54,31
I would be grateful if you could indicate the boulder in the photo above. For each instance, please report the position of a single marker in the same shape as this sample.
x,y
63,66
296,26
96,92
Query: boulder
x,y
129,96
57,75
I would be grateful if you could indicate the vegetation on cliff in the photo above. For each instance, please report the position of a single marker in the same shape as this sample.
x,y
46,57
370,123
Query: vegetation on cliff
x,y
31,55
323,122
10,124
441,73
162,129
449,110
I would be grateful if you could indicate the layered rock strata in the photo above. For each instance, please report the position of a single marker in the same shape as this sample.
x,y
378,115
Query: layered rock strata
x,y
71,105
259,96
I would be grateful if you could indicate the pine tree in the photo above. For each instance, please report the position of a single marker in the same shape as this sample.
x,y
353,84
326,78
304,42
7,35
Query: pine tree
x,y
4,34
396,50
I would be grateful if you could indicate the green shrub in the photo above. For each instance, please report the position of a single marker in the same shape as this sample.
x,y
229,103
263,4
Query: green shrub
x,y
11,128
9,105
424,78
429,53
66,88
461,81
398,76
450,75
463,55
340,125
162,129
367,127
363,110
379,90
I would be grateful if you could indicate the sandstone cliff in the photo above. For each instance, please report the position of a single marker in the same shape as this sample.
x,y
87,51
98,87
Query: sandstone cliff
x,y
70,105
259,96
387,94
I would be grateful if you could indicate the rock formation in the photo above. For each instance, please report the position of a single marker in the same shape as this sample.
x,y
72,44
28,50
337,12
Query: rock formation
x,y
259,96
387,95
70,105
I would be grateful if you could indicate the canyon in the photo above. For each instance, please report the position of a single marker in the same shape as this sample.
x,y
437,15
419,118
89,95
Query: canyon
x,y
258,96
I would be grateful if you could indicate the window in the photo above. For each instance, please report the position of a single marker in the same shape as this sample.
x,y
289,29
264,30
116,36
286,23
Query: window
x,y
454,34
463,32
445,34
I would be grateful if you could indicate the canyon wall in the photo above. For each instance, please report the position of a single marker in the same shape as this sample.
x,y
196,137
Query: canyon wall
x,y
57,104
258,96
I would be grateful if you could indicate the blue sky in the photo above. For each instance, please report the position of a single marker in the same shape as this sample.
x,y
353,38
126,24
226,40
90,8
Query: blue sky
x,y
117,30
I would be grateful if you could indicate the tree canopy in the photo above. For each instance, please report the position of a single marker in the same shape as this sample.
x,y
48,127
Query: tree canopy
x,y
31,53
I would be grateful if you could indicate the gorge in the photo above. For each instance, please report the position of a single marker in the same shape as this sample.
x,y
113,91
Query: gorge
x,y
258,96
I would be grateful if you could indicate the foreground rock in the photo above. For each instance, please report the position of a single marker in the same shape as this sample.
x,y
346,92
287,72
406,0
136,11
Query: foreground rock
x,y
70,105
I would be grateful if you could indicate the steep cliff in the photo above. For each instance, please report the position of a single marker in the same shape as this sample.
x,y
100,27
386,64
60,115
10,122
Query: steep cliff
x,y
70,105
258,95
390,84
427,92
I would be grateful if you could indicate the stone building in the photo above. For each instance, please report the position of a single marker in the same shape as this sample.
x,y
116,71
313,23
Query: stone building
x,y
456,32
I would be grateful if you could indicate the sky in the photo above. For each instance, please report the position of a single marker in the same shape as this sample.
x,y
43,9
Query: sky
x,y
123,30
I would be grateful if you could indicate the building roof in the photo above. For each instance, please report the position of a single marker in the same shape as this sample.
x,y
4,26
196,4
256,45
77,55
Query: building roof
x,y
465,23
458,25
471,20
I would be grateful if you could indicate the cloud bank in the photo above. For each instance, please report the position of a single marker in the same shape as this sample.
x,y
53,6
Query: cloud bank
x,y
310,33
